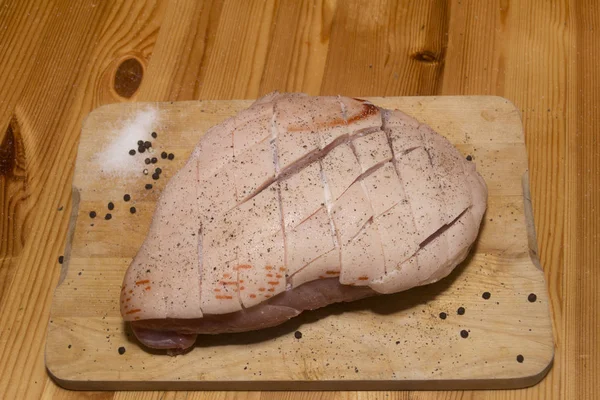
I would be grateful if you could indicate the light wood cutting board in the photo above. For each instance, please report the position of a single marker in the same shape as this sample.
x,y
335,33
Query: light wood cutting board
x,y
389,342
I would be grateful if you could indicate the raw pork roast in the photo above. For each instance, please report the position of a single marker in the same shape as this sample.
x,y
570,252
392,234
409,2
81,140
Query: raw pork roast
x,y
293,204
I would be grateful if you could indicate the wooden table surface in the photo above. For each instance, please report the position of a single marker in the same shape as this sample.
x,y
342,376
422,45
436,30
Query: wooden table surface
x,y
61,59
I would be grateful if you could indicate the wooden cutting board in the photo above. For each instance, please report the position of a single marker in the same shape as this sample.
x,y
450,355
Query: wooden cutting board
x,y
397,341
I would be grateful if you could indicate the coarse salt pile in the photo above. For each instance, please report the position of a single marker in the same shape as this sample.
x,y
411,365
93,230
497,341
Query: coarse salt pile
x,y
115,159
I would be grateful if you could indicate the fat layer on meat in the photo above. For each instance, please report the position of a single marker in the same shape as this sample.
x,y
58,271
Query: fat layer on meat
x,y
295,203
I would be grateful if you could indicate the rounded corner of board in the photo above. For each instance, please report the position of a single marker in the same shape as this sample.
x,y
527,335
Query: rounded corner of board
x,y
537,376
56,378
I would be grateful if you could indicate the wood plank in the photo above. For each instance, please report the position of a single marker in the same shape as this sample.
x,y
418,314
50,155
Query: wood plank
x,y
58,93
581,301
368,352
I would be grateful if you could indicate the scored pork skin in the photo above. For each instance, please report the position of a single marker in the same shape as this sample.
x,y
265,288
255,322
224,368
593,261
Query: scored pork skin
x,y
295,203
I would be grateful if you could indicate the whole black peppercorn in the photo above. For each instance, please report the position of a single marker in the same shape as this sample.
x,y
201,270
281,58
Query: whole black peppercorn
x,y
122,350
532,297
132,210
298,335
486,295
107,216
111,206
147,144
460,311
92,214
148,186
127,197
163,155
171,156
464,334
147,161
154,135
140,142
132,152
155,176
154,160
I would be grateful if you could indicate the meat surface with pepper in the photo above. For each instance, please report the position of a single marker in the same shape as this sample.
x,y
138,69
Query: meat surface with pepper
x,y
295,203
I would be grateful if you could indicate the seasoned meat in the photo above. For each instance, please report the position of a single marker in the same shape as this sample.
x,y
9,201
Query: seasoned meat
x,y
296,203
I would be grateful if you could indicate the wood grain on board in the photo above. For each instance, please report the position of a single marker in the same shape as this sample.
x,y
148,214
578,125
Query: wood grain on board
x,y
60,59
395,342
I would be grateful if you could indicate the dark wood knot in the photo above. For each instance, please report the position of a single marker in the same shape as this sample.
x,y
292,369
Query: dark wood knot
x,y
12,157
128,77
425,56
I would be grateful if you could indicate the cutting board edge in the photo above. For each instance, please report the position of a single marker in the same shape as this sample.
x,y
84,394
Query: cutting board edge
x,y
317,385
505,383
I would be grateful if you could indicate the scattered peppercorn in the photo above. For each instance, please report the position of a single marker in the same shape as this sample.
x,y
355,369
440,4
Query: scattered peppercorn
x,y
140,142
464,334
460,311
158,170
132,152
111,206
520,358
469,158
298,335
486,295
154,160
532,297
154,135
132,210
147,161
92,214
127,197
171,156
61,259
147,144
163,155
443,315
148,186
107,216
155,176
141,149
122,350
